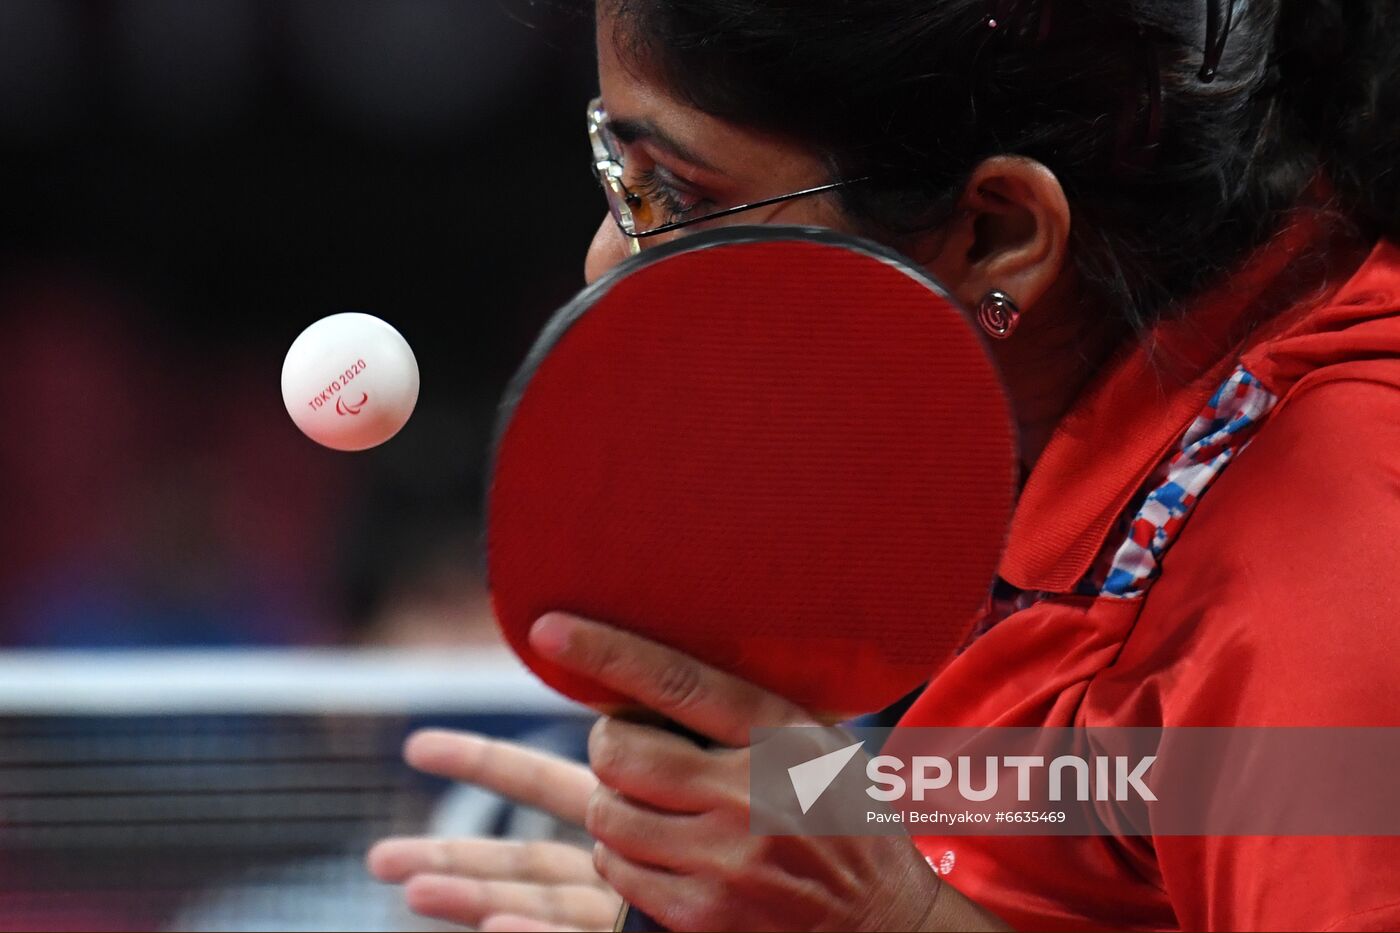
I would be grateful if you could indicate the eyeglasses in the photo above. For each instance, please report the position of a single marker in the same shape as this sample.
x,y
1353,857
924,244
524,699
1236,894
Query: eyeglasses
x,y
638,218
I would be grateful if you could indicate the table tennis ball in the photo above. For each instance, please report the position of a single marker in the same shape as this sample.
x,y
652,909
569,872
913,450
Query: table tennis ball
x,y
350,381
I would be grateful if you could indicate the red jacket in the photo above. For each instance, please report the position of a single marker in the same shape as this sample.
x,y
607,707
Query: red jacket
x,y
1277,604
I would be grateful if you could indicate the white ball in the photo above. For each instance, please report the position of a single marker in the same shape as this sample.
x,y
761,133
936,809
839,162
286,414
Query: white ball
x,y
350,381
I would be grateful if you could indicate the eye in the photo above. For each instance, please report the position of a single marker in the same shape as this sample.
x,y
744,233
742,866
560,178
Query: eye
x,y
673,197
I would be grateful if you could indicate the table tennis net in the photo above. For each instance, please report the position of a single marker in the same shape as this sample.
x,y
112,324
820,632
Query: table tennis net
x,y
210,795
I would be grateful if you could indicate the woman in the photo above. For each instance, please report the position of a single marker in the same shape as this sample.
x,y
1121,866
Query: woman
x,y
1175,216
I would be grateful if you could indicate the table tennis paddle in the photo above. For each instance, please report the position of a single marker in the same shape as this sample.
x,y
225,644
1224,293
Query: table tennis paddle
x,y
783,451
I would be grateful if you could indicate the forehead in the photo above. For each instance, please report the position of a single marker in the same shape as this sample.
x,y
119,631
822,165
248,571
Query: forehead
x,y
633,92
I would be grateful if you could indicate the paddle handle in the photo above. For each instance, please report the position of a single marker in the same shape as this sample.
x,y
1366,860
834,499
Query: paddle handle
x,y
632,920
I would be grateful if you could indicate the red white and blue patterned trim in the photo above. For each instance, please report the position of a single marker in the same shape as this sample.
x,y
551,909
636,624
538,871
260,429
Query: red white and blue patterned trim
x,y
1129,562
1214,439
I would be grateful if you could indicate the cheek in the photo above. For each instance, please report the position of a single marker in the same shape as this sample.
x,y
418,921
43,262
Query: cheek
x,y
820,211
609,248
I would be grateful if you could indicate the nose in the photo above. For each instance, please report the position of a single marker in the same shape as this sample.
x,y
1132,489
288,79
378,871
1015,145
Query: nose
x,y
609,248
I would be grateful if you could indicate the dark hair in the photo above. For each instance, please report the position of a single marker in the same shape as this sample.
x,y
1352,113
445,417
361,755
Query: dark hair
x,y
1171,177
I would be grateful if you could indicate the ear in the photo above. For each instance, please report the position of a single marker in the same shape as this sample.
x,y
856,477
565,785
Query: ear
x,y
1011,233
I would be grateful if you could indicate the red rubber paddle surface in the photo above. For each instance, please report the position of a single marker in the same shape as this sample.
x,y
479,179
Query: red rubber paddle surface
x,y
790,459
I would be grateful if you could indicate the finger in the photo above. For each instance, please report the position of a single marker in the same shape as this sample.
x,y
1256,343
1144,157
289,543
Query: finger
x,y
671,900
468,902
663,769
510,923
664,840
535,779
676,685
397,860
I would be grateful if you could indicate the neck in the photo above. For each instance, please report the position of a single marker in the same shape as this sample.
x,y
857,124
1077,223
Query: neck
x,y
1049,361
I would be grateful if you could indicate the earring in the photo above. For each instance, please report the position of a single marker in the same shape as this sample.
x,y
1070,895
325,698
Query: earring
x,y
998,314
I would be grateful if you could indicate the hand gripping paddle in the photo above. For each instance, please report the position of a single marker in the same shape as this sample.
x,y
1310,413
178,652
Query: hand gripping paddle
x,y
782,451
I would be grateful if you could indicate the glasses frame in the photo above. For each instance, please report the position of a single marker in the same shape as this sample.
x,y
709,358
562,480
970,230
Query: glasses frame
x,y
607,168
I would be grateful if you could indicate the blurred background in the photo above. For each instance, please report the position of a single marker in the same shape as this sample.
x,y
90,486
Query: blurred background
x,y
187,184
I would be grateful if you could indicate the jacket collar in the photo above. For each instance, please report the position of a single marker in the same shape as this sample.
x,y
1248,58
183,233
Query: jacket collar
x,y
1126,422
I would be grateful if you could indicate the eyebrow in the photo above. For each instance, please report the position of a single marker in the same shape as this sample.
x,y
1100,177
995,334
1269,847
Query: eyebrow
x,y
632,131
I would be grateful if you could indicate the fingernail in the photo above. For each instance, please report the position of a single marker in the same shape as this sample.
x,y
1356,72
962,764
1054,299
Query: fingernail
x,y
550,635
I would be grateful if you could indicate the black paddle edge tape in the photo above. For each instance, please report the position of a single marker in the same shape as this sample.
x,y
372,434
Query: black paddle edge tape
x,y
565,318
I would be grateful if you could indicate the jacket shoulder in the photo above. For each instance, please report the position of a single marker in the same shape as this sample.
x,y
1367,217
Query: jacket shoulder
x,y
1280,602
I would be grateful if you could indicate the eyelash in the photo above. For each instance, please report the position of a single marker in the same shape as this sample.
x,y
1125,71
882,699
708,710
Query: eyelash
x,y
655,190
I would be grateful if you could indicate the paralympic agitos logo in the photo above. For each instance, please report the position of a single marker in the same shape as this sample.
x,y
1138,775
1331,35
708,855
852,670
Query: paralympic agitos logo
x,y
343,407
